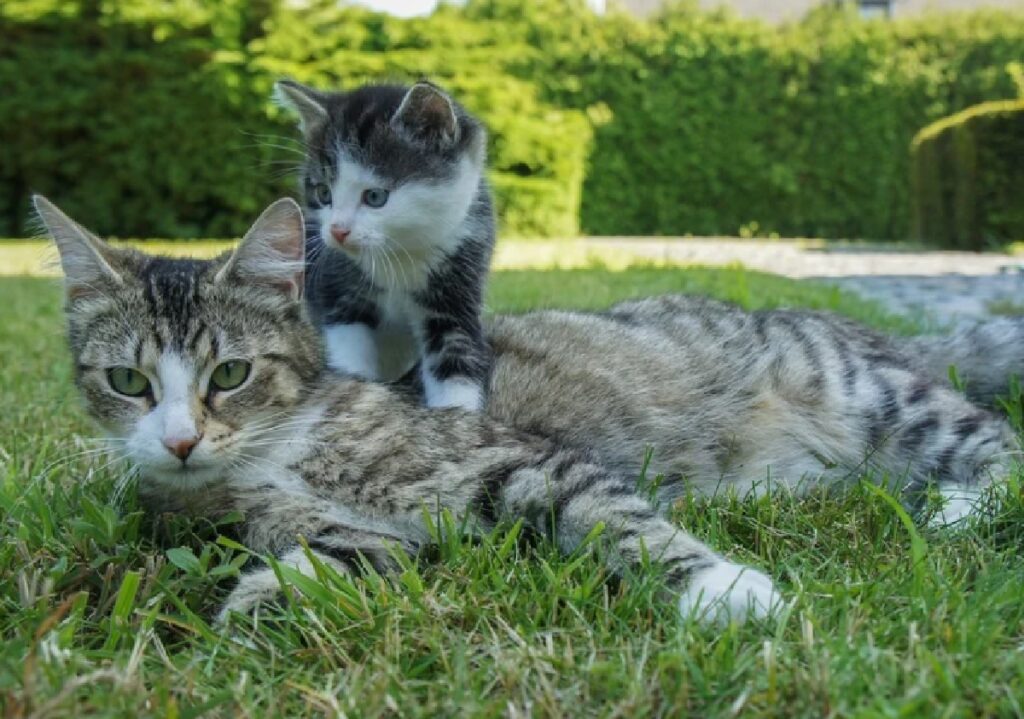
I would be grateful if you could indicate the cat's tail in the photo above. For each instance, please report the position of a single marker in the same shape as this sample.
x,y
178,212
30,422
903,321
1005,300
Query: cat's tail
x,y
985,354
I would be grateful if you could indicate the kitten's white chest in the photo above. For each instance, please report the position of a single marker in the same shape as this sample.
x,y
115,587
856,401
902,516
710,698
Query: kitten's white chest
x,y
397,335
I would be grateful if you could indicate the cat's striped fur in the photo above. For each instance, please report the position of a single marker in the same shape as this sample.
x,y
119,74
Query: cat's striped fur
x,y
723,396
727,398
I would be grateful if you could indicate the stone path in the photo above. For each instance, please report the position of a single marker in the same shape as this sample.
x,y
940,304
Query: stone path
x,y
945,287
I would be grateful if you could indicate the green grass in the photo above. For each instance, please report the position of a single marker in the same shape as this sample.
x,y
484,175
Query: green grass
x,y
1005,307
106,613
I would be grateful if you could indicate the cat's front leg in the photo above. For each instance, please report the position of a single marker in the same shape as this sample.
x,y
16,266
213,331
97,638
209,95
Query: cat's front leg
x,y
566,496
352,349
348,550
261,586
456,360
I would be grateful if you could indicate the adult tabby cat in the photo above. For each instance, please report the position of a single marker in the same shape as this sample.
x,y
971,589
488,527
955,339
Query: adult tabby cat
x,y
211,375
400,236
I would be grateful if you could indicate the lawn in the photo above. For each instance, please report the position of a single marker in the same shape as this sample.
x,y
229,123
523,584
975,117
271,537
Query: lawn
x,y
104,612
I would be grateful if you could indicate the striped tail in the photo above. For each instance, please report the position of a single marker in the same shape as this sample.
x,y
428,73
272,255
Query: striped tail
x,y
985,355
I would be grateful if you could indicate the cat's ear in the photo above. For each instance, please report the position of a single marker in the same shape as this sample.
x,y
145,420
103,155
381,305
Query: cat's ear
x,y
427,115
306,102
84,257
272,253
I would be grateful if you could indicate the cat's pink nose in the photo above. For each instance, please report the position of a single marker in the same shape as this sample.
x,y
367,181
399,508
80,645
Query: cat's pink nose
x,y
181,448
339,233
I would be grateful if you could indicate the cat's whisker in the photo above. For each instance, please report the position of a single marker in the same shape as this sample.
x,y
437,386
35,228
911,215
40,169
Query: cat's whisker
x,y
392,274
279,142
122,485
396,266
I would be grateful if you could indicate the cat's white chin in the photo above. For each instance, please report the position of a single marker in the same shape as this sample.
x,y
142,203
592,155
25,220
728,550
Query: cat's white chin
x,y
184,478
727,592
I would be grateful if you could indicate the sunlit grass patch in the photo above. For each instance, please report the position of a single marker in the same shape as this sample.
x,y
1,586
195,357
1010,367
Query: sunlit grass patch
x,y
105,612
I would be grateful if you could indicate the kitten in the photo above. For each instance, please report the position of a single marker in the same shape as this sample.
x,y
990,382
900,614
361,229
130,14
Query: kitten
x,y
400,234
210,374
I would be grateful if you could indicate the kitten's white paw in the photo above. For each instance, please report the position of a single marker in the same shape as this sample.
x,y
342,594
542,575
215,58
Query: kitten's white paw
x,y
728,591
461,393
351,349
959,504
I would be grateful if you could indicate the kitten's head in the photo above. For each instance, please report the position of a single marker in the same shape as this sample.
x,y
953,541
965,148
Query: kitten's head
x,y
387,167
187,363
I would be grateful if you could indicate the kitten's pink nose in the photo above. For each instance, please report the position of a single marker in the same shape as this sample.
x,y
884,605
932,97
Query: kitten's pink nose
x,y
339,233
181,448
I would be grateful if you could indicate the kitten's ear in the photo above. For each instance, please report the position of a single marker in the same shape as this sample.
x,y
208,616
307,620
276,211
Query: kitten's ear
x,y
272,253
84,257
306,102
427,115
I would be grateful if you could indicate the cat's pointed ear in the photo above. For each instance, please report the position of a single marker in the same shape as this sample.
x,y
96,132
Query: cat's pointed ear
x,y
84,257
427,115
272,253
306,102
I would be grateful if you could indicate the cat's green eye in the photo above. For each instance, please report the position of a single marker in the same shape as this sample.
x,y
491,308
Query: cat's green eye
x,y
128,381
322,193
230,374
375,197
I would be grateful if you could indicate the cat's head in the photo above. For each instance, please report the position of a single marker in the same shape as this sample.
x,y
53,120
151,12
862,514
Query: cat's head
x,y
387,167
187,363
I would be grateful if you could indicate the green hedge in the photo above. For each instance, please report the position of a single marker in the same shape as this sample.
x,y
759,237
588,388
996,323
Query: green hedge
x,y
134,119
145,118
968,178
719,124
149,117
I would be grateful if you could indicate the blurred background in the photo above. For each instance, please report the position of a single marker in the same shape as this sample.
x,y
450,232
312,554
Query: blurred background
x,y
874,120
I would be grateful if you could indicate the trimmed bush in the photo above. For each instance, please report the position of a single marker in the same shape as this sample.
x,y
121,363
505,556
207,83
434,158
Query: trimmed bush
x,y
144,118
152,118
718,123
967,178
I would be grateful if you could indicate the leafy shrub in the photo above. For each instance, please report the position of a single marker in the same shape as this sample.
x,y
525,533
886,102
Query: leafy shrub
x,y
968,179
717,123
150,119
147,117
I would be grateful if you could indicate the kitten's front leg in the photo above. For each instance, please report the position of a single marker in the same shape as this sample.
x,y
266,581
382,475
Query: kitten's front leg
x,y
352,349
456,360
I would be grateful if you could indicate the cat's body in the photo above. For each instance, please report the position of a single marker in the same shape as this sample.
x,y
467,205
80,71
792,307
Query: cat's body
x,y
400,282
732,399
724,397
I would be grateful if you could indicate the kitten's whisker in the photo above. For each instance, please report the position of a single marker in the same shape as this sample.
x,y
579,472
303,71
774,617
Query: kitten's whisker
x,y
395,266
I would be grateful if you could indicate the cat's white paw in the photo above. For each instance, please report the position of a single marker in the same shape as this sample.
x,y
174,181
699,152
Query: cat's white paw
x,y
351,349
727,591
462,393
253,589
261,586
959,504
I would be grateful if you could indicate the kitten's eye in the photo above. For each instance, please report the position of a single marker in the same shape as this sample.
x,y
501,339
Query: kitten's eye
x,y
375,197
322,193
128,381
230,374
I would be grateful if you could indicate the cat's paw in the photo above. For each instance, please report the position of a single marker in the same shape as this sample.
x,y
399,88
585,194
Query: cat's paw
x,y
461,393
253,589
959,506
728,591
261,586
351,349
